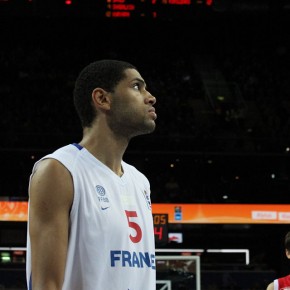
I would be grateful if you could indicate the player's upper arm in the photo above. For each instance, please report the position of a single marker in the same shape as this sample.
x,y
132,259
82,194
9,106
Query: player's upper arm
x,y
270,286
50,200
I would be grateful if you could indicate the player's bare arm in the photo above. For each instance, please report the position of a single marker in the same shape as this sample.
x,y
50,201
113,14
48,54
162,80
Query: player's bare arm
x,y
270,286
51,195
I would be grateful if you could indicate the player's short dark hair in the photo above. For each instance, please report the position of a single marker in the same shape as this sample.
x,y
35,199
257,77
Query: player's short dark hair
x,y
105,74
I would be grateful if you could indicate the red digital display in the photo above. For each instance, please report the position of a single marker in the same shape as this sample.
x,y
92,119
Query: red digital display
x,y
179,2
160,221
159,9
151,8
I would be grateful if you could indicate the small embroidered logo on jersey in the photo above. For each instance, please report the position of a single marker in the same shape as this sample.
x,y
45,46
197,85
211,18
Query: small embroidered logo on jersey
x,y
147,199
103,199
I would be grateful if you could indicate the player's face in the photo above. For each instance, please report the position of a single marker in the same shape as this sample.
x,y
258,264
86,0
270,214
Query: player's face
x,y
132,112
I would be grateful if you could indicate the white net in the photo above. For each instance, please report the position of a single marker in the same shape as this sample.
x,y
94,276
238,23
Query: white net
x,y
177,271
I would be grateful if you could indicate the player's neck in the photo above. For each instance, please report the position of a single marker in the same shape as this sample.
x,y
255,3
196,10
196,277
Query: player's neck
x,y
106,149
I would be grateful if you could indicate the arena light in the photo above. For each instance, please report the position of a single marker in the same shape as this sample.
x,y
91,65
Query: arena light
x,y
5,257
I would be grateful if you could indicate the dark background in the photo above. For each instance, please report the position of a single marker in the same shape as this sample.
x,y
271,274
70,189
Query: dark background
x,y
220,73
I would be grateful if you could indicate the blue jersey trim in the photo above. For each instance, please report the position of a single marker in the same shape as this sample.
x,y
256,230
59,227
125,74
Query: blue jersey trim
x,y
78,146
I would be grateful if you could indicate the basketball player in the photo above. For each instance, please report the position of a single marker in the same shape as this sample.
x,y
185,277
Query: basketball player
x,y
284,282
90,222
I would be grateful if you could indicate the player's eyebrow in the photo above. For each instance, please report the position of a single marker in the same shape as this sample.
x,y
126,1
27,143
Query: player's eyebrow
x,y
140,80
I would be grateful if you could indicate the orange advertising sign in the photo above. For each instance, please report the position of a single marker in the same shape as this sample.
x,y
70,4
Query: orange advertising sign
x,y
187,213
225,213
13,210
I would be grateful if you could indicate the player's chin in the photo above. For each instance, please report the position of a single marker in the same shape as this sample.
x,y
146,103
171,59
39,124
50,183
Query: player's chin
x,y
149,127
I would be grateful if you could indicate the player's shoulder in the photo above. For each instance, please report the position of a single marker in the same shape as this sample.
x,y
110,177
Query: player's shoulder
x,y
57,160
270,286
50,168
70,149
67,155
284,278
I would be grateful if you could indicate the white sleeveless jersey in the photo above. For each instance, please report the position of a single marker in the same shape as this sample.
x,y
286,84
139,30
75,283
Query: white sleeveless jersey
x,y
111,240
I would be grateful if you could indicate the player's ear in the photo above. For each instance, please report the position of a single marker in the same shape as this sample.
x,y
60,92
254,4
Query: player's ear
x,y
101,99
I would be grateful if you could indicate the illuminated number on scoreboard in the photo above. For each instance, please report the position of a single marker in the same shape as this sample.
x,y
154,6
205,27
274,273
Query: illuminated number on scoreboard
x,y
160,221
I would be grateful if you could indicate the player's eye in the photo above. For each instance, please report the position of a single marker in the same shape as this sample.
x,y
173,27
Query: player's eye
x,y
137,86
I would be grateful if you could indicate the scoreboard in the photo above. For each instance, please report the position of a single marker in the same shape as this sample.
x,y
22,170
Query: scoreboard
x,y
153,8
137,9
160,221
107,9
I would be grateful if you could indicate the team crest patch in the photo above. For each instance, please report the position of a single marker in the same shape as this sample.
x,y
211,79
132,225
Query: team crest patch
x,y
147,199
102,197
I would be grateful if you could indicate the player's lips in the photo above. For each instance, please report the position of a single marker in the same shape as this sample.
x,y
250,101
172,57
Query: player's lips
x,y
152,113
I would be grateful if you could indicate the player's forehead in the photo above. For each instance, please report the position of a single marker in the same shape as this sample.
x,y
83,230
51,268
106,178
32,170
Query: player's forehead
x,y
133,75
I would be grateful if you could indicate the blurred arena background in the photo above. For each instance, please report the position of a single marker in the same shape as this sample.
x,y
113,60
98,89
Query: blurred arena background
x,y
220,72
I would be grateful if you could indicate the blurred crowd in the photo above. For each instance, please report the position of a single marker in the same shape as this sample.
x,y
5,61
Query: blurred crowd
x,y
222,102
